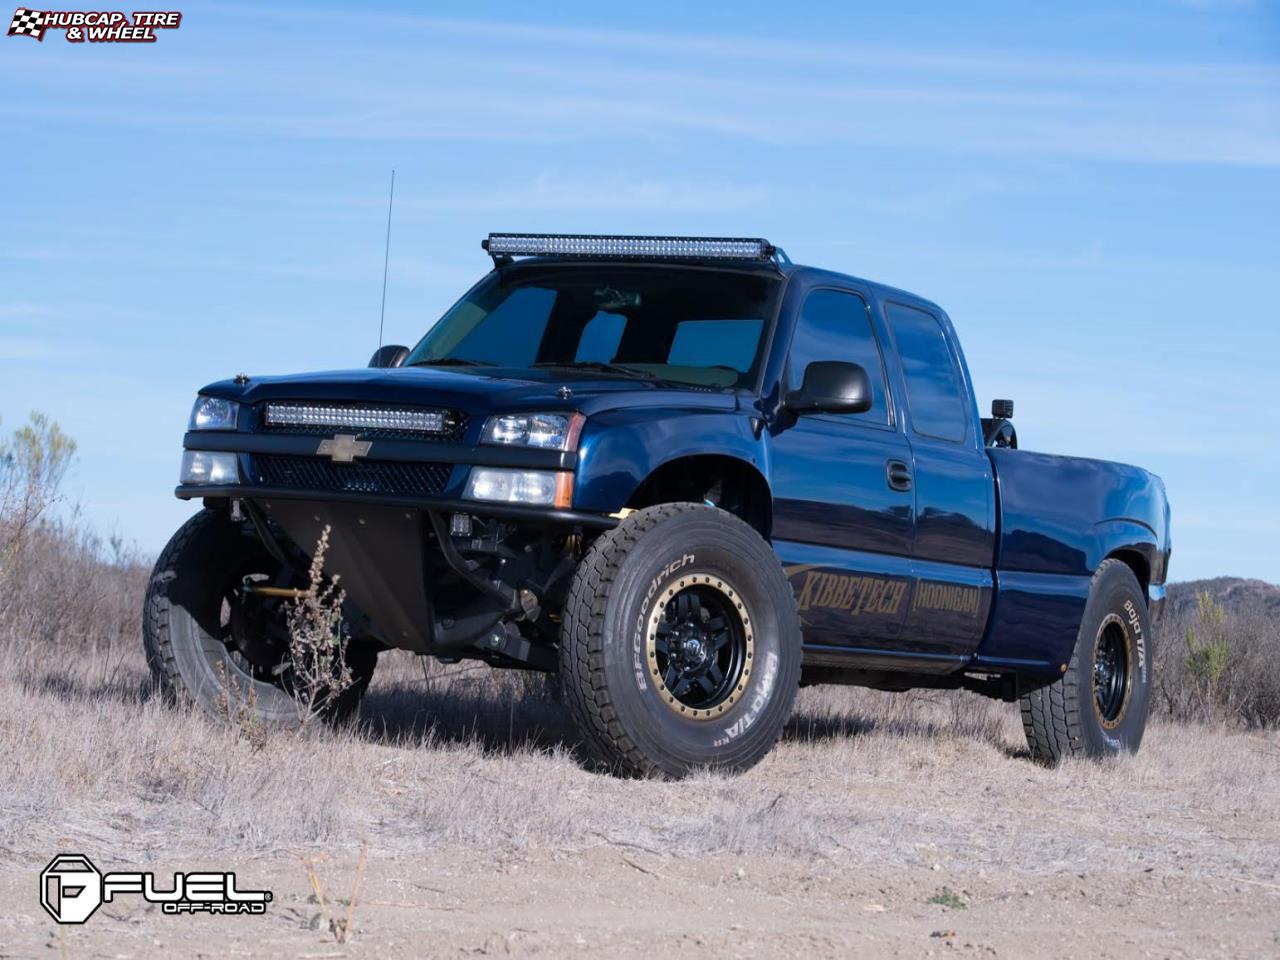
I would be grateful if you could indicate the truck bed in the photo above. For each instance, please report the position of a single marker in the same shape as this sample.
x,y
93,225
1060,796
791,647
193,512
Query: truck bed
x,y
1059,518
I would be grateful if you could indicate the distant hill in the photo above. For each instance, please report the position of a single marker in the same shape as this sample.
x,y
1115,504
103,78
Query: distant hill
x,y
1236,594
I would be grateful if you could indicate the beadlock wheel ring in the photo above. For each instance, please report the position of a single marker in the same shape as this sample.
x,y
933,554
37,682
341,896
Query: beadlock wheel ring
x,y
1113,664
671,621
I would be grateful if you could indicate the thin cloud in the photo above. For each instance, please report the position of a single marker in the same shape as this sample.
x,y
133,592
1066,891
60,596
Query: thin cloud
x,y
29,349
616,195
977,62
579,85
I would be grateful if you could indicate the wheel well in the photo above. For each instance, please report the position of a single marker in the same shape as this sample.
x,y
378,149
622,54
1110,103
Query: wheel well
x,y
1136,562
726,482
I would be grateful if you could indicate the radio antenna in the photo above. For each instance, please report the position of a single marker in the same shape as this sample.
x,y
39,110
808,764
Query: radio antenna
x,y
386,258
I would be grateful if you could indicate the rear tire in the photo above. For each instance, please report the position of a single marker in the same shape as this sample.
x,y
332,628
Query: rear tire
x,y
1098,707
184,633
680,645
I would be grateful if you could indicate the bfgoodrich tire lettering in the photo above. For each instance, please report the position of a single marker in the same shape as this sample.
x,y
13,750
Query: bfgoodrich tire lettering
x,y
715,689
1098,708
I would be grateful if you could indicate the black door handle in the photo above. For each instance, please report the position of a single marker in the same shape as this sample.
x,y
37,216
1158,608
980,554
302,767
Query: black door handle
x,y
898,474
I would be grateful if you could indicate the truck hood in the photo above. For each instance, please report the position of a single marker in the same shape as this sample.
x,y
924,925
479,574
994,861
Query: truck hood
x,y
476,390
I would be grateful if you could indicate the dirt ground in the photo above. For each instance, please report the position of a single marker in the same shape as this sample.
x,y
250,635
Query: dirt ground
x,y
623,902
881,826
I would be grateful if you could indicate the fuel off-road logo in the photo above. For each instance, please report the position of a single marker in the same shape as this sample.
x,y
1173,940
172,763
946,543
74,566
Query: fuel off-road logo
x,y
72,889
96,26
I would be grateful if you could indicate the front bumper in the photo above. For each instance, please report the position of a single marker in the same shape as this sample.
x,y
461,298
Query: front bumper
x,y
478,508
389,554
387,516
425,475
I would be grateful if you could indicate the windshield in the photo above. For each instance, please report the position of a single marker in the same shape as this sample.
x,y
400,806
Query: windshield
x,y
693,326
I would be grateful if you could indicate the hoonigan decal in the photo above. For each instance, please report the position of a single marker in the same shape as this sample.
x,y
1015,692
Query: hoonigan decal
x,y
948,597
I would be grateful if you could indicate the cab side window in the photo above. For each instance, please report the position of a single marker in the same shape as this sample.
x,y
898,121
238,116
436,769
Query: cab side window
x,y
834,325
934,394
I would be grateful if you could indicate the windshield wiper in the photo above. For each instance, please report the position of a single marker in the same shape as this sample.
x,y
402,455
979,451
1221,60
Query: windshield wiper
x,y
598,365
452,362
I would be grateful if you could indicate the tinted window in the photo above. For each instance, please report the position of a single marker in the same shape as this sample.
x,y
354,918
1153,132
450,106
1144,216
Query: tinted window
x,y
934,395
837,326
725,343
512,329
699,327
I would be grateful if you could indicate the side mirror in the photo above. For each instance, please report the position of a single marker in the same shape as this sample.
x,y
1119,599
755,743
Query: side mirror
x,y
392,355
832,386
1002,409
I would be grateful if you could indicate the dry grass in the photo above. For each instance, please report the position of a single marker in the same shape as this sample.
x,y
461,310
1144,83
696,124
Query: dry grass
x,y
470,783
468,780
482,761
472,765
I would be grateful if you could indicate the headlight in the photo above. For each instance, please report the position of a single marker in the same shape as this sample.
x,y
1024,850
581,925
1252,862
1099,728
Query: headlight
x,y
547,431
213,413
207,467
540,488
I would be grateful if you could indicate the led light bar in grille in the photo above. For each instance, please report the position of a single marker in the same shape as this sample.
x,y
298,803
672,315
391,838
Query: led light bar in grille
x,y
357,418
640,248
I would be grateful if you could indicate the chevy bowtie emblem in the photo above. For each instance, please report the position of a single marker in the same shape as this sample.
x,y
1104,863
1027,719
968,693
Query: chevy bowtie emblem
x,y
343,448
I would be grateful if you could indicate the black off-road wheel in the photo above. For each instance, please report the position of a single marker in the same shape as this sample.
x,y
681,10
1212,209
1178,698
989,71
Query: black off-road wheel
x,y
680,645
1098,708
211,641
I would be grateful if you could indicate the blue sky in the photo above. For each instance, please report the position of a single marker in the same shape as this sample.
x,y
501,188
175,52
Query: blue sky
x,y
1091,190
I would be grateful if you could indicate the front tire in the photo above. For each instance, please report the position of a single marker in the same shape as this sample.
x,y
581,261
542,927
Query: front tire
x,y
1098,707
230,663
680,645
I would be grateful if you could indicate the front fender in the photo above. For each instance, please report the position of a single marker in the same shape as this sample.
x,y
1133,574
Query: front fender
x,y
620,448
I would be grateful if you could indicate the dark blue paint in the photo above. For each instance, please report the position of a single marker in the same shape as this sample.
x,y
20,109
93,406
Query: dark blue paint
x,y
984,563
1066,514
622,446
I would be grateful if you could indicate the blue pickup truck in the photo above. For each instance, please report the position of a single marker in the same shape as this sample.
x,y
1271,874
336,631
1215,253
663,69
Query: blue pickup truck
x,y
688,477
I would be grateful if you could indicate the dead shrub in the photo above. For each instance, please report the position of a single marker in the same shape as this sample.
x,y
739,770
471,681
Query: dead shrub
x,y
70,601
32,464
318,640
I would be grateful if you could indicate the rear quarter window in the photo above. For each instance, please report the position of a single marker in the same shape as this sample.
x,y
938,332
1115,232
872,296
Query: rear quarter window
x,y
935,398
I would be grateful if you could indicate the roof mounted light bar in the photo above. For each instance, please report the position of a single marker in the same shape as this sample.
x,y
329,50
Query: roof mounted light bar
x,y
504,246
